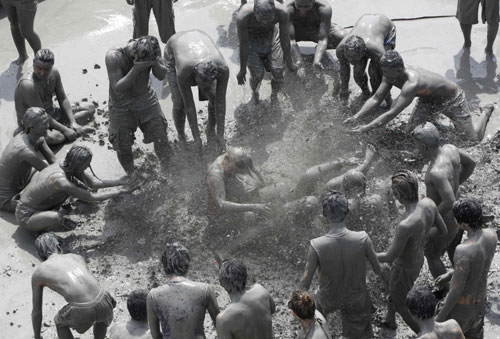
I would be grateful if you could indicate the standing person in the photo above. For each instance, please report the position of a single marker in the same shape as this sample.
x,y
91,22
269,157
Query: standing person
x,y
303,307
137,327
89,305
179,306
205,68
21,15
466,300
164,15
407,249
133,102
249,316
263,45
27,150
467,11
341,257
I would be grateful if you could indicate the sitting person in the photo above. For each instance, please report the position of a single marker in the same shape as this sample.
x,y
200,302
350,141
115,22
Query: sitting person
x,y
89,305
27,150
38,89
137,327
38,208
314,325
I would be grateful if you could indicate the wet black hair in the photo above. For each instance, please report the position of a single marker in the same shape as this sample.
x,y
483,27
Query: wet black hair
x,y
427,133
146,48
75,157
233,276
468,211
421,302
264,8
392,59
175,259
353,179
136,305
302,303
406,182
44,55
356,44
207,70
47,244
335,203
34,116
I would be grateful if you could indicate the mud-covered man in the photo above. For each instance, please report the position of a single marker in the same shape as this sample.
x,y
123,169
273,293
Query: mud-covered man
x,y
448,168
177,309
371,36
263,45
38,89
250,313
466,300
39,205
193,59
341,257
406,252
133,102
27,150
137,327
313,323
435,94
164,14
311,20
89,305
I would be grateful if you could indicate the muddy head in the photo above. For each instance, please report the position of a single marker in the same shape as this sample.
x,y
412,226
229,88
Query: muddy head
x,y
468,214
393,67
426,139
302,305
304,6
421,302
42,64
335,206
47,244
405,186
264,11
145,48
205,75
136,305
354,183
233,276
175,259
355,49
77,160
35,122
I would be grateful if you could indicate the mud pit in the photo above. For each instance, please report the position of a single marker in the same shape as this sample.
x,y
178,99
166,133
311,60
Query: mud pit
x,y
123,239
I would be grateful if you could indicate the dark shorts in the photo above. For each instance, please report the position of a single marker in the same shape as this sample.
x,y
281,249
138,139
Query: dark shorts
x,y
390,39
470,318
82,316
265,54
335,36
22,5
401,282
437,246
164,14
467,11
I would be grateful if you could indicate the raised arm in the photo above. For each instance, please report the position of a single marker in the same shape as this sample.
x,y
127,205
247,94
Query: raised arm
x,y
36,313
397,246
372,102
312,264
119,81
468,165
153,321
324,28
159,69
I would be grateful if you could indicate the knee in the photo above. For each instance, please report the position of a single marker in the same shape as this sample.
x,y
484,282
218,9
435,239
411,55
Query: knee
x,y
256,76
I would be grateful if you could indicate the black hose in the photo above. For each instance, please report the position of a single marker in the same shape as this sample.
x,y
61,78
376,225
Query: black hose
x,y
425,17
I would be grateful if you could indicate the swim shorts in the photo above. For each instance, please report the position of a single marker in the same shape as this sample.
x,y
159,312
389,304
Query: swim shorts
x,y
470,318
265,54
401,281
390,39
467,11
22,5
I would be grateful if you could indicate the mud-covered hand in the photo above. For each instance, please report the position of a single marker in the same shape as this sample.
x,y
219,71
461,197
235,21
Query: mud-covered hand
x,y
263,209
318,67
358,129
443,279
301,72
350,120
70,134
291,66
241,76
143,65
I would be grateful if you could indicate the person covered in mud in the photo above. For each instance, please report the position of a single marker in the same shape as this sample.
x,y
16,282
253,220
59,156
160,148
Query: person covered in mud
x,y
263,45
249,315
313,323
341,257
67,274
449,167
137,327
435,93
164,14
37,90
371,36
466,300
27,150
133,102
421,303
406,252
39,208
311,20
202,66
178,307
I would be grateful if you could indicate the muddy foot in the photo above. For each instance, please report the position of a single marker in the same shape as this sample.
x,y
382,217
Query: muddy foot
x,y
20,60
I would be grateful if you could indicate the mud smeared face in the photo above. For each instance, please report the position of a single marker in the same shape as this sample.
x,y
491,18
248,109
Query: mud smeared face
x,y
264,11
42,69
393,74
208,88
421,147
354,56
304,6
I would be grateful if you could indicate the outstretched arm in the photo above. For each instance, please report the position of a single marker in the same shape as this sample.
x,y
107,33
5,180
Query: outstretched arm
x,y
95,183
372,102
74,191
311,265
468,165
36,313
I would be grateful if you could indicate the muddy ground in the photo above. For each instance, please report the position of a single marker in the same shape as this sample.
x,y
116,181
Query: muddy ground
x,y
123,238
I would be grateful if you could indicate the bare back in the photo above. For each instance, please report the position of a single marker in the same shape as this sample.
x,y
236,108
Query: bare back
x,y
449,329
447,164
429,86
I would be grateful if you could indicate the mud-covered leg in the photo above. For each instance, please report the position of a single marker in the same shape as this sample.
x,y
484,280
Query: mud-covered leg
x,y
26,21
84,112
64,333
256,77
100,330
466,31
16,33
492,34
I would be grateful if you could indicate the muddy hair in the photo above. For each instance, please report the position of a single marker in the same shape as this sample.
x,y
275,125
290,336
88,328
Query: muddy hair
x,y
33,117
302,303
45,55
421,302
356,44
354,179
240,156
175,259
406,183
207,70
47,244
264,8
136,305
335,204
468,211
427,133
146,48
392,59
233,276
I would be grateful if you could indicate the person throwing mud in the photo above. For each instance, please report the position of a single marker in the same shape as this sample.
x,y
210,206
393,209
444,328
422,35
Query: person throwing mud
x,y
133,102
249,315
262,45
313,323
164,15
311,20
27,150
179,306
89,305
341,257
406,252
40,202
137,327
37,90
435,93
422,306
466,301
203,66
371,36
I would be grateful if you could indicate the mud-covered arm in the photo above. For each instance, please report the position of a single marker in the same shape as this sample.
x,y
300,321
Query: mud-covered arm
x,y
317,172
46,152
213,306
297,56
72,190
153,321
360,76
159,69
220,93
223,327
444,189
95,183
312,264
468,165
324,28
374,100
36,313
119,81
345,72
285,39
63,100
272,305
439,226
397,246
242,27
371,255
